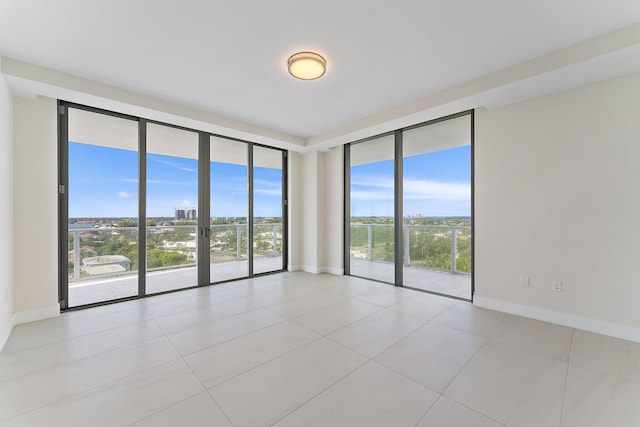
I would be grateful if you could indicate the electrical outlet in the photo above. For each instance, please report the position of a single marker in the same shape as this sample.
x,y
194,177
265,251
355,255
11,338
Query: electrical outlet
x,y
556,286
524,280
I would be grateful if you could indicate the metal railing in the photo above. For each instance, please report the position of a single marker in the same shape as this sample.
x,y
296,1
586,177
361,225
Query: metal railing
x,y
454,232
183,240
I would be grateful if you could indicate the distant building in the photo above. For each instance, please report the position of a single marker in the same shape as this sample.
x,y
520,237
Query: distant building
x,y
186,213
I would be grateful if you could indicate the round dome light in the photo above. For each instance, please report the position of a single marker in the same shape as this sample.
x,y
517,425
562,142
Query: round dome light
x,y
307,65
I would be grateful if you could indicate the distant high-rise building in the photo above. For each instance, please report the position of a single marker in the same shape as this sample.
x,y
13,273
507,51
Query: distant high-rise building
x,y
186,213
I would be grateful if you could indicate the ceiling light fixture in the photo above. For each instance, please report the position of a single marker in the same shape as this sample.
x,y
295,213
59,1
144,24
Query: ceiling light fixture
x,y
306,65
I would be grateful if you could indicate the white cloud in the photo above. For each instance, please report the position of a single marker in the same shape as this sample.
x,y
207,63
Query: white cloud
x,y
372,181
438,190
267,183
267,192
175,165
124,195
164,182
379,188
267,188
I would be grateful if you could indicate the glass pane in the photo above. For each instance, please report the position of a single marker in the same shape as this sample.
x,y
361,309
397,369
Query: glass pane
x,y
267,210
172,200
437,207
372,251
229,210
103,208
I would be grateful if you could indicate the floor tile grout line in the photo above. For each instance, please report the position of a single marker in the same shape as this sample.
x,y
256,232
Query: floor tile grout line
x,y
566,380
204,388
230,339
74,336
379,353
480,347
263,363
219,407
164,409
323,390
206,322
70,362
607,374
172,302
341,327
303,314
594,369
440,396
535,383
58,320
90,389
119,347
405,376
474,410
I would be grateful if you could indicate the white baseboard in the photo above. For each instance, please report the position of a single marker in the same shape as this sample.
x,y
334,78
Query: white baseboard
x,y
37,314
571,320
333,270
316,270
6,331
311,269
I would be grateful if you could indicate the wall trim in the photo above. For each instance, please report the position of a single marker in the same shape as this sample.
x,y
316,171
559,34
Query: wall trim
x,y
316,270
6,331
311,269
37,314
333,270
597,326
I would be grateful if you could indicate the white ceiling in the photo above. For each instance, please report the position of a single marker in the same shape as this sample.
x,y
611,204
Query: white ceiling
x,y
228,58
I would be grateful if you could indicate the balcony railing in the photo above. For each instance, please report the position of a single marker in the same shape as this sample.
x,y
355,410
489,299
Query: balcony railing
x,y
439,247
98,253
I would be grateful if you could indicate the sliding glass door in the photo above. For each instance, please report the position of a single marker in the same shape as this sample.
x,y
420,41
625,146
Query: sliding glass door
x,y
268,210
229,205
171,208
102,224
409,207
147,207
371,249
436,202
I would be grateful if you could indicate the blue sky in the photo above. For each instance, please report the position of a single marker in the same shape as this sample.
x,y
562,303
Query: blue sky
x,y
434,184
103,183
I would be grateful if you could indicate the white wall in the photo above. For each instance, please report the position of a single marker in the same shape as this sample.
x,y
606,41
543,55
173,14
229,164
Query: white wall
x,y
311,240
294,184
35,248
557,198
6,213
332,211
316,211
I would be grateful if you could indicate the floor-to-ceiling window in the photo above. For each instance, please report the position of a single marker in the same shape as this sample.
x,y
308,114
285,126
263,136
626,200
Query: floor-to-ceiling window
x,y
171,208
102,193
409,207
229,250
436,200
146,207
268,210
372,189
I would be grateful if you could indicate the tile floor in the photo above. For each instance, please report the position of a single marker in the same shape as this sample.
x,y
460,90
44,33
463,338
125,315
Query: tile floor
x,y
297,349
102,289
106,289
